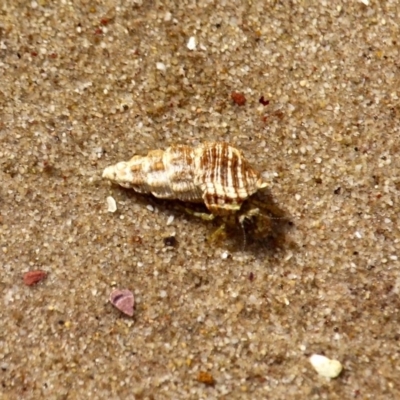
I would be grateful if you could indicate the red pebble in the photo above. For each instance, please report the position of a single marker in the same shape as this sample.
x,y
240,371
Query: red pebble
x,y
123,300
33,277
238,98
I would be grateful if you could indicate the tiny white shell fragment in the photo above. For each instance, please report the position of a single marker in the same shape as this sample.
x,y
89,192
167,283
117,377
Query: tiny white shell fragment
x,y
170,220
161,66
325,366
99,151
112,204
224,255
123,300
191,44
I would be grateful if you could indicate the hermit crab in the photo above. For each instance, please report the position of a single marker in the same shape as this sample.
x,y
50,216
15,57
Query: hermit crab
x,y
213,173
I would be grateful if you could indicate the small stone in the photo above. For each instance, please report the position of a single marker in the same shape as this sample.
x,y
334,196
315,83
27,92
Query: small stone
x,y
238,98
111,204
170,220
170,241
191,44
325,366
224,255
99,151
206,378
161,66
123,300
30,278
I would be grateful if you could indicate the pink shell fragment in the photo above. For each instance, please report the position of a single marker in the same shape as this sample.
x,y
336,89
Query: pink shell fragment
x,y
31,278
123,300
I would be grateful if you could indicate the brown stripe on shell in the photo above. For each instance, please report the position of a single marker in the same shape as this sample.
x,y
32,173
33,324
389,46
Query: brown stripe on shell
x,y
226,165
235,166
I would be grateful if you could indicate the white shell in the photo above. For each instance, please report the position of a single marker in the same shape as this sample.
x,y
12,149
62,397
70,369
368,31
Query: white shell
x,y
325,366
111,204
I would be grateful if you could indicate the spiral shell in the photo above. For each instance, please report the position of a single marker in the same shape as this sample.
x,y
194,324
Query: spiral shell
x,y
214,173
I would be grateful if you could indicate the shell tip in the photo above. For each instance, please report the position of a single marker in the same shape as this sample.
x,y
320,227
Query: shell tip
x,y
108,173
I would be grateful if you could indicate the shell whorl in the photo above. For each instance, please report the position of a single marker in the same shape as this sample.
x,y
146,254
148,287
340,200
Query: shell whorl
x,y
214,173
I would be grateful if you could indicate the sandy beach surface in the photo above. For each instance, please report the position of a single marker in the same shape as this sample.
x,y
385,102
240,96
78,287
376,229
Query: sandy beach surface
x,y
308,90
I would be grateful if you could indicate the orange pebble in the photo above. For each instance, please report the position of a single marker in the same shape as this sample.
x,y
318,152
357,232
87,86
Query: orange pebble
x,y
206,378
238,98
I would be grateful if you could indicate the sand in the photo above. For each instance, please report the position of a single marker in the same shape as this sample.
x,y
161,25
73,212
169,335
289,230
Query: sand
x,y
87,84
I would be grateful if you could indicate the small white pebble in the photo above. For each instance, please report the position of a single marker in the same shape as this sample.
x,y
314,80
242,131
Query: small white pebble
x,y
163,294
191,44
297,197
366,2
161,66
167,16
252,299
112,204
99,151
150,207
4,366
325,366
224,255
286,301
170,220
